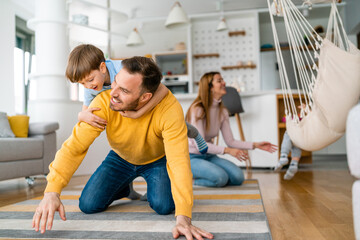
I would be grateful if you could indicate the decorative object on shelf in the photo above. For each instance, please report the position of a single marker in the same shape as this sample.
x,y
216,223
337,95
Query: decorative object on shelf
x,y
177,16
236,33
80,19
180,46
250,64
134,38
239,86
206,55
267,46
309,3
222,25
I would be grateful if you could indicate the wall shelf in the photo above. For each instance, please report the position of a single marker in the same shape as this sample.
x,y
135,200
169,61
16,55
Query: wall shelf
x,y
204,55
283,48
236,33
238,67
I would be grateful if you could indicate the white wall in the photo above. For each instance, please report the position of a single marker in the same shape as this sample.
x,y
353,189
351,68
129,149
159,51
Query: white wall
x,y
352,16
7,44
154,41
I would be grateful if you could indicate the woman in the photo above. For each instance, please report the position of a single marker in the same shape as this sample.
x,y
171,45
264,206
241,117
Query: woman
x,y
208,114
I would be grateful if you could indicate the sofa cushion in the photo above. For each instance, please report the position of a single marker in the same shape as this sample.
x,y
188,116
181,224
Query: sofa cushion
x,y
13,149
5,129
42,128
19,125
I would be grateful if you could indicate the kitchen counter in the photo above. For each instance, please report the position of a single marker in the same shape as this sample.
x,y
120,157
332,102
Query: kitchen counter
x,y
260,110
187,96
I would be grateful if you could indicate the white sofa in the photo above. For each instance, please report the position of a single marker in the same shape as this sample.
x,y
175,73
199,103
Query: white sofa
x,y
25,157
353,155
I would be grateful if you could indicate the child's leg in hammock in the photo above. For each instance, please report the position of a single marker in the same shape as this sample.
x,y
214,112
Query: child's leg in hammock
x,y
286,146
293,168
202,146
200,142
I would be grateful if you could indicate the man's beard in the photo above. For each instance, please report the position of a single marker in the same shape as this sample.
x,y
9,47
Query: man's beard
x,y
129,107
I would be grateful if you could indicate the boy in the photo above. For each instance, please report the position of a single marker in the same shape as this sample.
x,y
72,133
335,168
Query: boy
x,y
87,66
287,146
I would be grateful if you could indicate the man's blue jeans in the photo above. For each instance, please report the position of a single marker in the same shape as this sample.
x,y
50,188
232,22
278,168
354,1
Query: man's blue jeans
x,y
111,182
212,171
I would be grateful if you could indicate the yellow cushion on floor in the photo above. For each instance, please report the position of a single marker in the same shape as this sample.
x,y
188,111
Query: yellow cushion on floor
x,y
19,125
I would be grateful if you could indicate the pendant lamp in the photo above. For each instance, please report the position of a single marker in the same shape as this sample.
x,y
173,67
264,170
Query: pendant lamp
x,y
134,38
176,17
222,25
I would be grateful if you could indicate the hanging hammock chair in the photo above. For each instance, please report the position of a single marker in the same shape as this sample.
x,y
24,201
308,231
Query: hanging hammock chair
x,y
330,86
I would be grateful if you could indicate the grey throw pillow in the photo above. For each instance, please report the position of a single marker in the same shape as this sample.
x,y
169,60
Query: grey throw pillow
x,y
5,129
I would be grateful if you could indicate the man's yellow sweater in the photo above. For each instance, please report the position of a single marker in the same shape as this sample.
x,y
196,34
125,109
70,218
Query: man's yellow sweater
x,y
139,141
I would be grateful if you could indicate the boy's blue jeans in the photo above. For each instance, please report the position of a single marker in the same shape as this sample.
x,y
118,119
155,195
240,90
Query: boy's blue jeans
x,y
212,171
111,181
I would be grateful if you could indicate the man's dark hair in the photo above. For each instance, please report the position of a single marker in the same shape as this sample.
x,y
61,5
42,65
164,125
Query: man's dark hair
x,y
147,68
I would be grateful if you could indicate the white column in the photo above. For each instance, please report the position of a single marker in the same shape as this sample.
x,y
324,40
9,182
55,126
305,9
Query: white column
x,y
49,89
7,44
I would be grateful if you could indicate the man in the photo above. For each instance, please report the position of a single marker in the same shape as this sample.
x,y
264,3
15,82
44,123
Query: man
x,y
154,146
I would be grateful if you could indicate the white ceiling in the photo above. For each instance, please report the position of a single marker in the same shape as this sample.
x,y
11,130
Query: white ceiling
x,y
139,12
160,8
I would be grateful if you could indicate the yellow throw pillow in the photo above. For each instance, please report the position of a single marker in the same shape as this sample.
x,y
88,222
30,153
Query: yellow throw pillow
x,y
19,125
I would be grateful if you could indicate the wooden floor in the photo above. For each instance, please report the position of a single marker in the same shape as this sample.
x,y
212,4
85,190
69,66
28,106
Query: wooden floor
x,y
316,204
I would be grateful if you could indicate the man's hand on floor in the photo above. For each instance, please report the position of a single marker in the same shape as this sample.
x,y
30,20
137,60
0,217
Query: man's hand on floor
x,y
46,210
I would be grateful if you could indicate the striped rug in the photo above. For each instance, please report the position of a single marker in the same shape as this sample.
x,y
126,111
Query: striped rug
x,y
234,212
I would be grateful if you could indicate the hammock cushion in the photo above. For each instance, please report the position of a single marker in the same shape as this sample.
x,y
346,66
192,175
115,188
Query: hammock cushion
x,y
336,91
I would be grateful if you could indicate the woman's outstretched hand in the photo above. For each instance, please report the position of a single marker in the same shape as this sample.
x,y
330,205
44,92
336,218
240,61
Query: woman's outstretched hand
x,y
266,146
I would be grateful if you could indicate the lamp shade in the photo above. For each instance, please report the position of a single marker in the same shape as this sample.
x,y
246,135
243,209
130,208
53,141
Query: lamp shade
x,y
177,16
222,25
134,38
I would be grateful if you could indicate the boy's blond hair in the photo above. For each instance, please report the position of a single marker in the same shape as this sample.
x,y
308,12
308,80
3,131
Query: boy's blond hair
x,y
82,60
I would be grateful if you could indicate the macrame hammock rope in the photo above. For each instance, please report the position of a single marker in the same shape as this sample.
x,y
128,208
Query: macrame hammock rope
x,y
326,69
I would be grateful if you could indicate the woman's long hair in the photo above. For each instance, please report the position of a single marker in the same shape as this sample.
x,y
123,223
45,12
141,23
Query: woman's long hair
x,y
204,99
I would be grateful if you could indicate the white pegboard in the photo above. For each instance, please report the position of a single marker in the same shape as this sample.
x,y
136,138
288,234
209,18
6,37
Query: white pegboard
x,y
206,39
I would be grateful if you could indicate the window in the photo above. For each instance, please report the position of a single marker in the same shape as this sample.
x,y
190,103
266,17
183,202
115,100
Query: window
x,y
24,64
